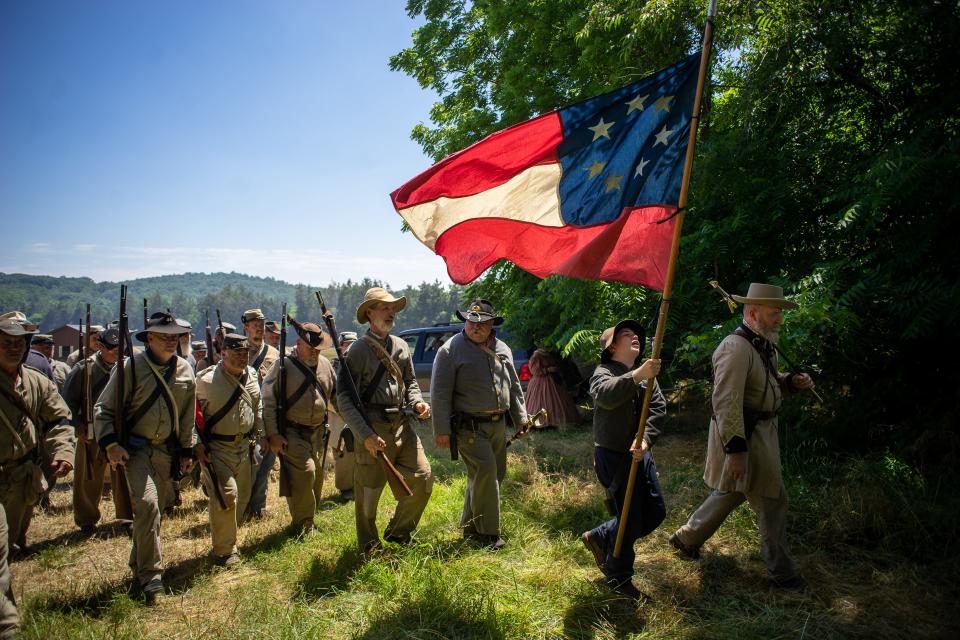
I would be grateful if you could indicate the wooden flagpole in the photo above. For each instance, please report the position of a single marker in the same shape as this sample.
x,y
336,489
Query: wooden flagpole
x,y
671,268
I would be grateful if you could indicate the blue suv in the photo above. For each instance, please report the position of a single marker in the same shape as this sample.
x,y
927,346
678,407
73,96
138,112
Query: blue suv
x,y
424,342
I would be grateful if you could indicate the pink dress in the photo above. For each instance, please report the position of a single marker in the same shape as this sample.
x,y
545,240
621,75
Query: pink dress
x,y
543,392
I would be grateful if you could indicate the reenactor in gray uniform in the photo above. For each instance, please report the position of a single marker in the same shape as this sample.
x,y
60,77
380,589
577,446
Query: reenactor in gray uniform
x,y
310,385
43,342
261,356
381,366
475,390
229,398
159,425
206,361
271,333
91,462
31,412
90,346
198,349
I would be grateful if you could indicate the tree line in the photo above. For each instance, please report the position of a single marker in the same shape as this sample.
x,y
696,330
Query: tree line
x,y
827,163
54,302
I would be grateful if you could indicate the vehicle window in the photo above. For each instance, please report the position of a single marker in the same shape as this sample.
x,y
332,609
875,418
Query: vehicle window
x,y
412,343
433,344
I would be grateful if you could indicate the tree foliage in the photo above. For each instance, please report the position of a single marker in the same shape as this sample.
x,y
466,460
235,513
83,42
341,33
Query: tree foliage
x,y
826,163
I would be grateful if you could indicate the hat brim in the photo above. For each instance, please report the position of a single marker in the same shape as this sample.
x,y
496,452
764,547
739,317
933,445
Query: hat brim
x,y
174,329
366,304
779,303
481,316
15,329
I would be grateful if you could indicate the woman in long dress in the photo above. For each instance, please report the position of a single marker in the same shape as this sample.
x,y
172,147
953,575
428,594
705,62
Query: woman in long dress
x,y
546,390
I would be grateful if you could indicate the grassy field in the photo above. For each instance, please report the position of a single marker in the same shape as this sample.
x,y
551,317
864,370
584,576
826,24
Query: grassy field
x,y
874,568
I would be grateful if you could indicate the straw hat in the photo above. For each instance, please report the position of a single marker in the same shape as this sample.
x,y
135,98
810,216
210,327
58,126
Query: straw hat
x,y
373,296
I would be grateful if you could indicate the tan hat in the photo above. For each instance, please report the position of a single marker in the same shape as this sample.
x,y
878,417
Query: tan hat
x,y
373,296
14,323
252,314
312,334
767,295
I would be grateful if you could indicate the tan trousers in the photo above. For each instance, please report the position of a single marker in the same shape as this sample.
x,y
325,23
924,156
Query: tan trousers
x,y
771,520
20,490
232,465
343,460
302,460
484,453
88,490
9,618
406,452
148,472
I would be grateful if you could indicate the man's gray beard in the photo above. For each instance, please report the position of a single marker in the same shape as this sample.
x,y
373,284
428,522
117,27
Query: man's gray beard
x,y
772,335
308,357
383,326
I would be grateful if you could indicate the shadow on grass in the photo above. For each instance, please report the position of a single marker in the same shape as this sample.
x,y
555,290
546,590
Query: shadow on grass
x,y
325,577
438,611
597,609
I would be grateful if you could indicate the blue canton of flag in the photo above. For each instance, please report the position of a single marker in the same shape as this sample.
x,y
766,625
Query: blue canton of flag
x,y
625,149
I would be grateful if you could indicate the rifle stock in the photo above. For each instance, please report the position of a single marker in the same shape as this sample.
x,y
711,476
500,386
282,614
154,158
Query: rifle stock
x,y
398,485
208,337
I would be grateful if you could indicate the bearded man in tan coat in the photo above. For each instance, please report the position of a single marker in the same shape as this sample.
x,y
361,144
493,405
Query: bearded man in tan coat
x,y
743,450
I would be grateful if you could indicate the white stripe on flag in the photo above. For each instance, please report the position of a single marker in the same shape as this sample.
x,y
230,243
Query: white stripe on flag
x,y
530,196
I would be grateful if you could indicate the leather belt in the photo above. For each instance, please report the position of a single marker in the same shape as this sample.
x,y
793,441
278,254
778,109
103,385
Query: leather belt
x,y
234,438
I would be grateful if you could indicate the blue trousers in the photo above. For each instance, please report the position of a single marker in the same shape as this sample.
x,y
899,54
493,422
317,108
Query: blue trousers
x,y
258,491
647,509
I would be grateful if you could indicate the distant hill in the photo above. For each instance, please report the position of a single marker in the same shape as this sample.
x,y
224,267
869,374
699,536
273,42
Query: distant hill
x,y
55,301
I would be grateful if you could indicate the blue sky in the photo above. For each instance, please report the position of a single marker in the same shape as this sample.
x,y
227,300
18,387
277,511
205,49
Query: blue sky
x,y
142,138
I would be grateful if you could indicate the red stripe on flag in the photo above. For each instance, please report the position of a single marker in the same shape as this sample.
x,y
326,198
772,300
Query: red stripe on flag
x,y
634,248
486,164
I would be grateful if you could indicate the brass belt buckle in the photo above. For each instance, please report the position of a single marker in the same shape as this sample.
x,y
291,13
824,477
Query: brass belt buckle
x,y
495,417
238,437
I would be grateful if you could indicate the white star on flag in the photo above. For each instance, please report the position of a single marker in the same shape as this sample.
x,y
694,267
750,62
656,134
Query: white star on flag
x,y
600,129
643,163
662,136
636,104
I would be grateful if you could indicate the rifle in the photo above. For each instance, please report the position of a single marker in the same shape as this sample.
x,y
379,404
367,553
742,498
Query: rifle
x,y
146,313
398,485
285,489
86,405
214,480
208,337
122,501
732,305
525,427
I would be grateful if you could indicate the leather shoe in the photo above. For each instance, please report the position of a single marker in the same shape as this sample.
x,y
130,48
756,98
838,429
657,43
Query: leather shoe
x,y
690,553
595,547
627,589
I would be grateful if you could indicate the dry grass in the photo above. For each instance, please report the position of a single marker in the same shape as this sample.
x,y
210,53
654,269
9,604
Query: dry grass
x,y
543,585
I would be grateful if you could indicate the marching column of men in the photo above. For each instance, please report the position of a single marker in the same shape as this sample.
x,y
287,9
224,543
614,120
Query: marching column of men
x,y
237,407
